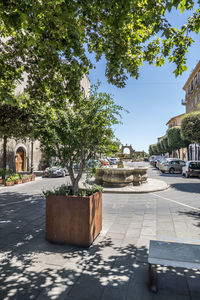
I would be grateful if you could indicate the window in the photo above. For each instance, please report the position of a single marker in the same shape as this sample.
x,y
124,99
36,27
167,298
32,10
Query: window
x,y
189,89
195,165
192,85
195,81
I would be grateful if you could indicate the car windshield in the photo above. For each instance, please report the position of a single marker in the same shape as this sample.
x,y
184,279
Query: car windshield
x,y
195,165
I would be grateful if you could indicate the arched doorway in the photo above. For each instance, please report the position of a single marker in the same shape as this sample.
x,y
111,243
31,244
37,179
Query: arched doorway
x,y
20,159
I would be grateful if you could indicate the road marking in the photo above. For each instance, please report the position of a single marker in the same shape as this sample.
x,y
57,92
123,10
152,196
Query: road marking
x,y
177,202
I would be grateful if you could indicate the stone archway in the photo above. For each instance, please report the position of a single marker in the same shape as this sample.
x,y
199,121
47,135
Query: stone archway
x,y
20,161
130,149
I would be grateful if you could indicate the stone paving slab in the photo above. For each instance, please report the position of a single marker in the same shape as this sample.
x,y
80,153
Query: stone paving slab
x,y
114,267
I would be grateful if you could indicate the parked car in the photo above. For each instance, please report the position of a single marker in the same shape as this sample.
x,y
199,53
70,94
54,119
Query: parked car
x,y
172,165
155,160
113,160
192,168
55,171
159,162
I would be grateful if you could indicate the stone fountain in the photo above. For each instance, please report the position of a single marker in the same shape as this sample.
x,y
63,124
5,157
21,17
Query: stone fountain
x,y
121,177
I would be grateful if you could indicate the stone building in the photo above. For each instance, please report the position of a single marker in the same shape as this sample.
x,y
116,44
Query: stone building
x,y
192,103
192,90
26,155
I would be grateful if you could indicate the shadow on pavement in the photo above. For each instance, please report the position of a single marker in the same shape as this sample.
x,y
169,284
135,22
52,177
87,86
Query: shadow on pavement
x,y
32,268
188,187
193,214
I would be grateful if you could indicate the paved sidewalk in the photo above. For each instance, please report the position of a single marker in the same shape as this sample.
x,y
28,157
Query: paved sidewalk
x,y
114,267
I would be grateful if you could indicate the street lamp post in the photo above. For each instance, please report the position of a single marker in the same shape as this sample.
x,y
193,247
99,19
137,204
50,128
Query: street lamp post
x,y
32,156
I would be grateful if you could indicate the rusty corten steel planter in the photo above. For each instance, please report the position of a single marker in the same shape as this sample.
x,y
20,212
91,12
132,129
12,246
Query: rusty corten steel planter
x,y
73,220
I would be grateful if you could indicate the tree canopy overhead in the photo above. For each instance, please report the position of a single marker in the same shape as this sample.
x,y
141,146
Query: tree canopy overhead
x,y
36,36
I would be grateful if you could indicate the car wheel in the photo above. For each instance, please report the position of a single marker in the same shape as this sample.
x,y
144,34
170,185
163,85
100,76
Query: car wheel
x,y
171,170
187,175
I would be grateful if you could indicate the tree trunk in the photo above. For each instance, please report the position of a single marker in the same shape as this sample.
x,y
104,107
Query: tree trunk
x,y
188,155
178,153
5,139
76,181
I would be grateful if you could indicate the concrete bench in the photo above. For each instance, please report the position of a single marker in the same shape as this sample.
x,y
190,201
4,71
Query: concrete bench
x,y
171,254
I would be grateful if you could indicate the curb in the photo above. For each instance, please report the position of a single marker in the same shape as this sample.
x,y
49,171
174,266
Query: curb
x,y
16,185
153,185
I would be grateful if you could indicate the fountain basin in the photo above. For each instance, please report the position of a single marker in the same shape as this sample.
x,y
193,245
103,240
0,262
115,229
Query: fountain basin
x,y
121,177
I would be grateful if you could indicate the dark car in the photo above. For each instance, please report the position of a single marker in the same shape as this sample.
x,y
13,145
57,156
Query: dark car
x,y
192,168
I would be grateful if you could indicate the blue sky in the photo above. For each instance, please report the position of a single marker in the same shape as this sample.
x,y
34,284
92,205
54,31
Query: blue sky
x,y
152,99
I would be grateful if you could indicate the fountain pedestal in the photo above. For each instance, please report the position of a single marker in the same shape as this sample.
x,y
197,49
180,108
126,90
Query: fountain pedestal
x,y
121,177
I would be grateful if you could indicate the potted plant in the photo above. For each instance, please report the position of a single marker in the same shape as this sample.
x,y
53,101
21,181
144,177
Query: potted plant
x,y
25,178
32,177
74,134
18,179
3,174
10,181
73,219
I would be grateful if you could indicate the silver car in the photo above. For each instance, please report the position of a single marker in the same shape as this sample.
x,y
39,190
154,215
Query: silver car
x,y
192,168
55,171
172,165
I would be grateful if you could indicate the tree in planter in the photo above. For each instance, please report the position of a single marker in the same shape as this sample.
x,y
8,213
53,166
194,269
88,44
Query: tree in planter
x,y
76,134
175,140
15,122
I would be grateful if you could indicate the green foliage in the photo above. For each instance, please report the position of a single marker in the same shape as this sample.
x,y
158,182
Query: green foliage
x,y
165,145
15,121
159,148
91,170
11,178
37,36
190,127
175,139
153,150
4,172
78,132
67,190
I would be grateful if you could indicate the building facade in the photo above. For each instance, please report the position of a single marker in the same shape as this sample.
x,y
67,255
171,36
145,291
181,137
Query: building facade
x,y
192,103
192,90
25,155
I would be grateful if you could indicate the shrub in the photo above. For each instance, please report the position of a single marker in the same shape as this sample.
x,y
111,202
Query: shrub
x,y
67,190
